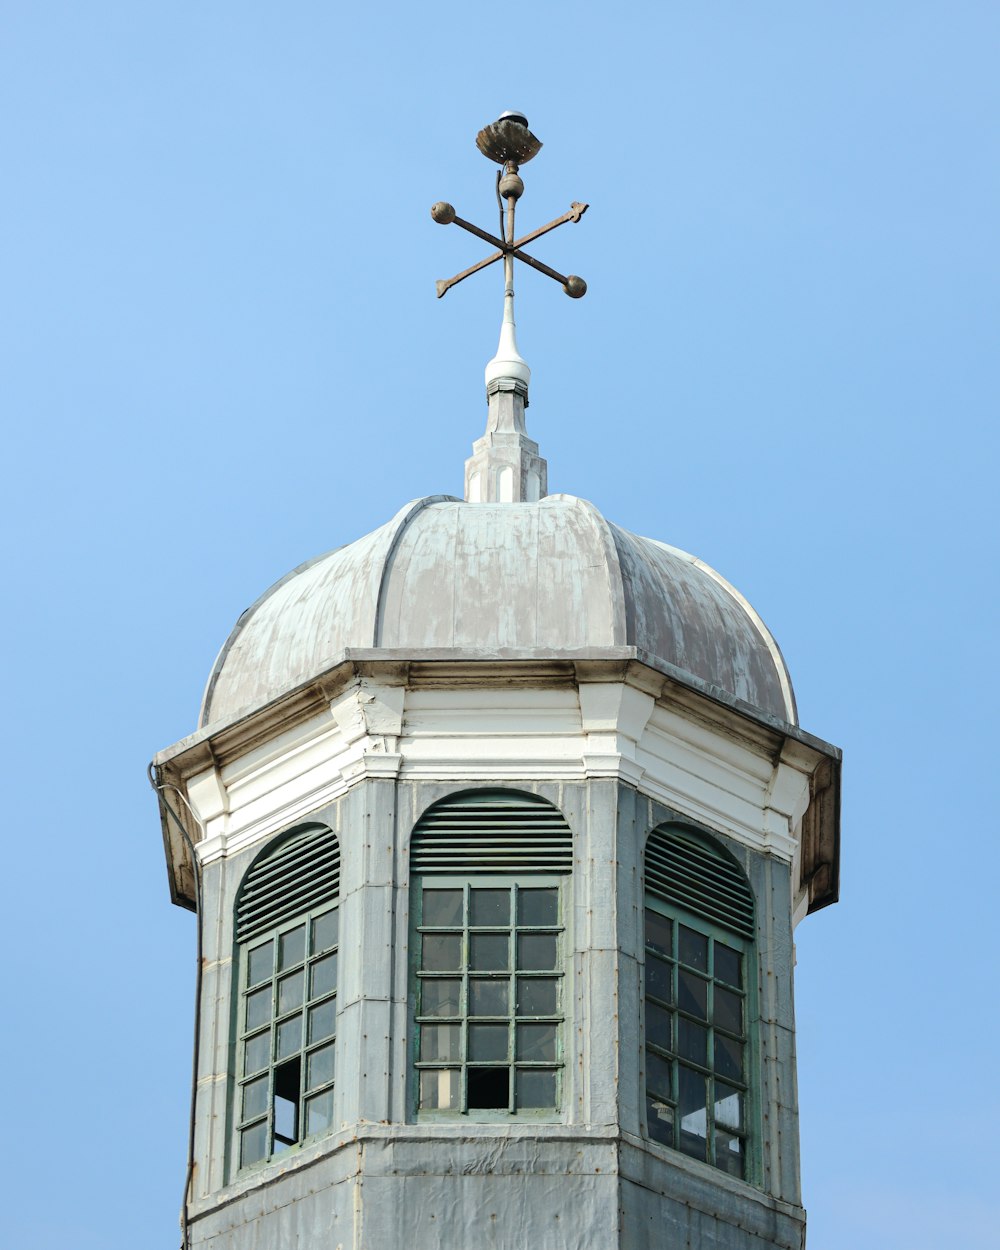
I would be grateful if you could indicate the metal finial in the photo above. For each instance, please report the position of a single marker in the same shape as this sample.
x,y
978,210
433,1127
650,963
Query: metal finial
x,y
506,455
508,139
509,143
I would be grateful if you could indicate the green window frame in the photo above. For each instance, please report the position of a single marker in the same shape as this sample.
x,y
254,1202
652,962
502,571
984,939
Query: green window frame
x,y
698,1002
488,972
288,941
487,952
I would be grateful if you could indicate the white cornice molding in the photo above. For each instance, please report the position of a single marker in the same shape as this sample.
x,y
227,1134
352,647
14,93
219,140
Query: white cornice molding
x,y
564,733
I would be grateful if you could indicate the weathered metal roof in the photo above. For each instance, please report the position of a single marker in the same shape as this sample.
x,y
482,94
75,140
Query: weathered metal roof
x,y
548,576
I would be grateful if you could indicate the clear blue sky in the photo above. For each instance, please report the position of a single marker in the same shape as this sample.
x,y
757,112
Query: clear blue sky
x,y
221,354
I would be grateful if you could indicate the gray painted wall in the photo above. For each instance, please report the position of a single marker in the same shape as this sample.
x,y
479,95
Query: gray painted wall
x,y
588,1179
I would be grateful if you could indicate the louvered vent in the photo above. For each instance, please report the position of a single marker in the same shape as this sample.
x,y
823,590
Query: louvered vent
x,y
302,873
681,871
492,831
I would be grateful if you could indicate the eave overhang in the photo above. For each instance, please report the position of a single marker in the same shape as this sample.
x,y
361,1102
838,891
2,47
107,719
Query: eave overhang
x,y
226,740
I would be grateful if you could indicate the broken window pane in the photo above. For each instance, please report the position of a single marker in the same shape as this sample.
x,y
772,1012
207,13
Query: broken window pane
x,y
489,1088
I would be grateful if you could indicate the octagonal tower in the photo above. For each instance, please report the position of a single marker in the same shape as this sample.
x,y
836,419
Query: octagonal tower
x,y
497,824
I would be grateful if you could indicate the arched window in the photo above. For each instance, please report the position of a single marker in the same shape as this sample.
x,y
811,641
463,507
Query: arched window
x,y
487,872
699,938
287,935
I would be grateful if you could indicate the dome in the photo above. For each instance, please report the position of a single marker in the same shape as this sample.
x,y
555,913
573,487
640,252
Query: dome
x,y
503,580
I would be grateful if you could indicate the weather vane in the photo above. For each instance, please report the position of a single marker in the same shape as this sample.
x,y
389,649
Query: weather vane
x,y
509,143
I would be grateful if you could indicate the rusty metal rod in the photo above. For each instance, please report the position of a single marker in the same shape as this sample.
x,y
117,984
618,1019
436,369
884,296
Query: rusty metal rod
x,y
574,214
444,286
481,234
537,264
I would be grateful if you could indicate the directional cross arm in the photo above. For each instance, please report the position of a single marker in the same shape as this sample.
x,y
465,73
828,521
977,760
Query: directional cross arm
x,y
446,215
576,211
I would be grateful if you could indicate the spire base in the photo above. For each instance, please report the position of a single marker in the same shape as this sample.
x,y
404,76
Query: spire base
x,y
505,466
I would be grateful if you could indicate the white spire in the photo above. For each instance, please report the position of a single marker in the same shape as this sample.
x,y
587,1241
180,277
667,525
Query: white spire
x,y
508,362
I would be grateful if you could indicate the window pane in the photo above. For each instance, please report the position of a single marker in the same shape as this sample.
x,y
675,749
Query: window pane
x,y
693,948
536,1089
658,1076
692,1041
286,1090
490,952
728,964
728,1057
728,1010
442,952
537,996
258,1052
286,1116
536,950
692,1112
260,964
488,1088
440,1090
324,931
253,1144
290,992
728,1152
659,933
536,1042
659,1121
442,908
321,1066
659,979
440,1041
658,1026
487,1042
692,994
289,1037
255,1098
323,976
292,948
319,1113
489,998
322,1020
728,1108
258,1008
489,907
538,907
440,998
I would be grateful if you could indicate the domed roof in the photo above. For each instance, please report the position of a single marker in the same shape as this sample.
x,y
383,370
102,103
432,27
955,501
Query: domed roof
x,y
501,580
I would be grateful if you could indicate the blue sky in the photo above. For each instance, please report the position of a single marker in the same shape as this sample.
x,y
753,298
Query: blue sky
x,y
220,354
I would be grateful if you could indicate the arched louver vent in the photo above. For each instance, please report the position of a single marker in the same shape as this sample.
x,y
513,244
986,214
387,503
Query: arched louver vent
x,y
680,870
492,831
302,873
